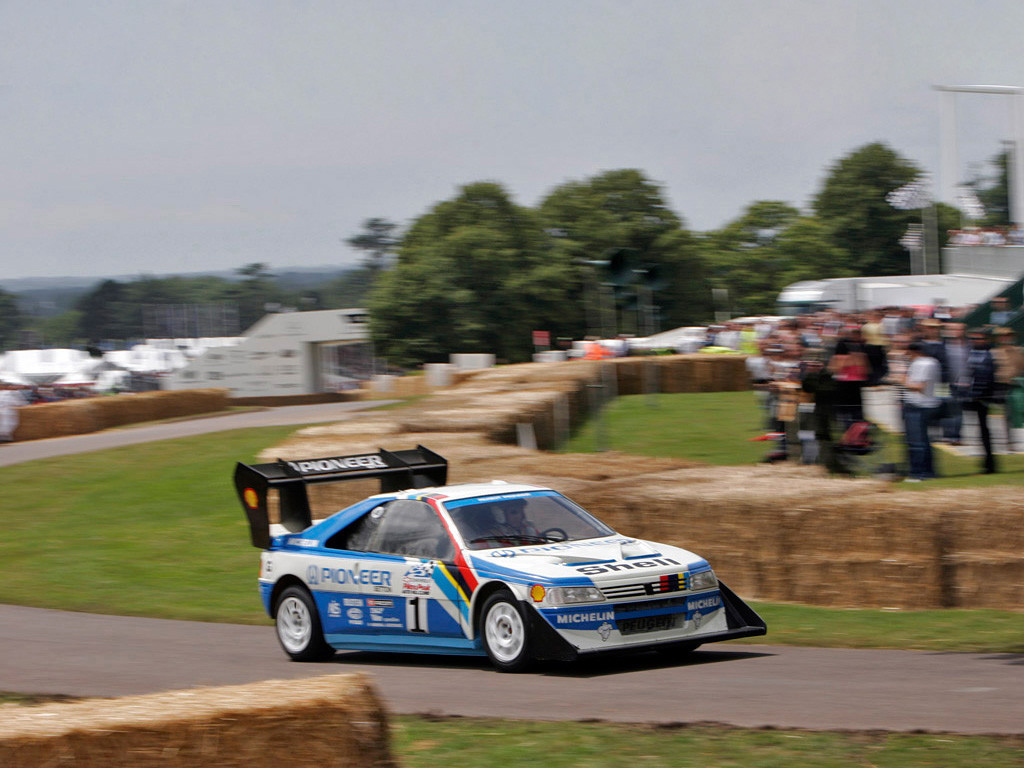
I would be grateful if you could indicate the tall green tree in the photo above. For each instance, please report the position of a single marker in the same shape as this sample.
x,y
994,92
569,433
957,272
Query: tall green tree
x,y
993,192
745,259
768,247
378,240
11,319
473,275
255,294
852,204
622,239
102,312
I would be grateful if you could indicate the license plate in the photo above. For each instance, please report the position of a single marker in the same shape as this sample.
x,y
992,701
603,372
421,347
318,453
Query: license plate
x,y
646,624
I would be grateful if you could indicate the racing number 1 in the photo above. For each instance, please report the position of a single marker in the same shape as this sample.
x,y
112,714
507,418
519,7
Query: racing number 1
x,y
416,614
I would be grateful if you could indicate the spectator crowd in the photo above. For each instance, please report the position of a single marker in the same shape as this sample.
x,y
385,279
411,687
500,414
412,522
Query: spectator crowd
x,y
811,373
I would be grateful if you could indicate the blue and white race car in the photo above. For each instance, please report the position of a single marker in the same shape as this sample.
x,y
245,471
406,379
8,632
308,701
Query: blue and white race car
x,y
515,572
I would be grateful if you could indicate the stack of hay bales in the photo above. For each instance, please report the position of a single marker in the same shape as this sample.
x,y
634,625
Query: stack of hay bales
x,y
777,532
337,720
76,417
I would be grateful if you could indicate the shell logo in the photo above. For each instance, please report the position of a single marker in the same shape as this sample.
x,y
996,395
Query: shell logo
x,y
252,499
537,593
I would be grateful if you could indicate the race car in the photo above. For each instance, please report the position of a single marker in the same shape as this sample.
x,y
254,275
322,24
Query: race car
x,y
516,572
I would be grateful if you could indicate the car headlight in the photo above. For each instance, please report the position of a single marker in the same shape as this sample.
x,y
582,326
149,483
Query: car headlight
x,y
703,580
567,595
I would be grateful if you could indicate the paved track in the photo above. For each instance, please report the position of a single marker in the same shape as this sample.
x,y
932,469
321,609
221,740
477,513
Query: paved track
x,y
16,453
43,651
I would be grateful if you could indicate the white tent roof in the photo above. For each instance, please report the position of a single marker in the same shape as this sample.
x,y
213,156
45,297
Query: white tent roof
x,y
44,366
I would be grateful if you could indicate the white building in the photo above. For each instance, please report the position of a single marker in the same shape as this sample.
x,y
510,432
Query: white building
x,y
293,353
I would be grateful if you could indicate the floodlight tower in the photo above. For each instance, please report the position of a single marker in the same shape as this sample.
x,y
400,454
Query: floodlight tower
x,y
950,175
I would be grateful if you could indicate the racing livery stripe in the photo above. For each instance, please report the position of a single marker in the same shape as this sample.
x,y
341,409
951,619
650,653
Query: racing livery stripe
x,y
452,586
462,575
494,567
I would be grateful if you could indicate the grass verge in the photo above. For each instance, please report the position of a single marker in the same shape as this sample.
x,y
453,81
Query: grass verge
x,y
717,427
484,742
472,742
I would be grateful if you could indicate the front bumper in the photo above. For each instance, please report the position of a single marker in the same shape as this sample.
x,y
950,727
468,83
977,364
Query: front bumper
x,y
596,628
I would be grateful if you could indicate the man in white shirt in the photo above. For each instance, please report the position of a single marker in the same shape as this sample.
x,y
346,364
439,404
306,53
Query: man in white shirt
x,y
920,409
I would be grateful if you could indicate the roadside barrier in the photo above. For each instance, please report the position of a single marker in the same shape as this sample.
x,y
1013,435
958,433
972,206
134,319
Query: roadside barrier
x,y
781,532
333,721
91,414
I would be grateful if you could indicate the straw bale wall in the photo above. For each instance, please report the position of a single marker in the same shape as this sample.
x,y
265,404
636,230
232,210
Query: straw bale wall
x,y
335,720
792,534
680,373
773,532
75,417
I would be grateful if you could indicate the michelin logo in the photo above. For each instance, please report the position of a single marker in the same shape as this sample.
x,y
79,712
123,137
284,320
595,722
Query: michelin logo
x,y
708,603
584,618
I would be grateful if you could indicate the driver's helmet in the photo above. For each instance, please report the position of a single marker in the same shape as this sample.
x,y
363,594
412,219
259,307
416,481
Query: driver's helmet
x,y
513,506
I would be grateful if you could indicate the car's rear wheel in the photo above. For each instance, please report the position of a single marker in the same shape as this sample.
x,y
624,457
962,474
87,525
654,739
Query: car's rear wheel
x,y
504,631
298,626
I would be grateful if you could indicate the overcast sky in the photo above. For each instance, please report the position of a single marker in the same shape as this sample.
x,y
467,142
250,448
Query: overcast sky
x,y
166,137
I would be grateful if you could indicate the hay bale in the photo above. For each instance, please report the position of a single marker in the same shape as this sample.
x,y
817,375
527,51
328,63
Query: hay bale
x,y
60,419
335,720
77,417
987,580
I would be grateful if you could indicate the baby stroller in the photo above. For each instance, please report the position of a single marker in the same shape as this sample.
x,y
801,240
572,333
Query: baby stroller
x,y
862,451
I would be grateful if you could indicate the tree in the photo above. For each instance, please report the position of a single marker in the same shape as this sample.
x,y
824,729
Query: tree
x,y
102,312
377,240
255,294
11,319
620,217
473,275
744,257
852,204
994,192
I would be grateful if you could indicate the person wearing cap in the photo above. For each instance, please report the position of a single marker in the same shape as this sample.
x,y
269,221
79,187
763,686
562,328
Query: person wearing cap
x,y
920,409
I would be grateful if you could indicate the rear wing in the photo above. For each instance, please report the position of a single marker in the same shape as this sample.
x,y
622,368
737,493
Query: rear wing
x,y
398,470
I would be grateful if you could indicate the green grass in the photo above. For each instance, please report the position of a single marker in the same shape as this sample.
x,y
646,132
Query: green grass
x,y
979,631
473,742
147,530
716,428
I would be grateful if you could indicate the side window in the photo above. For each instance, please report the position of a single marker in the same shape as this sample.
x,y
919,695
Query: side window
x,y
412,528
358,536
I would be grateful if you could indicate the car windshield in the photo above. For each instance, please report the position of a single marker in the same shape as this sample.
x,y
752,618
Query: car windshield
x,y
511,520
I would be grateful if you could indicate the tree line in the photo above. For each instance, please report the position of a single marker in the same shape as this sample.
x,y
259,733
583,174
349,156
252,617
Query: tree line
x,y
479,272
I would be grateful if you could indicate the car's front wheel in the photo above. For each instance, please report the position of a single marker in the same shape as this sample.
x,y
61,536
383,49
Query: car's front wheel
x,y
298,626
505,635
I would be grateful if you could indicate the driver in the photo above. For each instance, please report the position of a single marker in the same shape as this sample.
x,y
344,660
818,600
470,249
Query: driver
x,y
516,523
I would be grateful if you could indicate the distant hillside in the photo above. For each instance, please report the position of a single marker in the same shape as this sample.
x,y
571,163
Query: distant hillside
x,y
289,277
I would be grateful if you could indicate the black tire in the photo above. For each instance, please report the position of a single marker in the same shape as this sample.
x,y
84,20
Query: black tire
x,y
298,626
505,633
